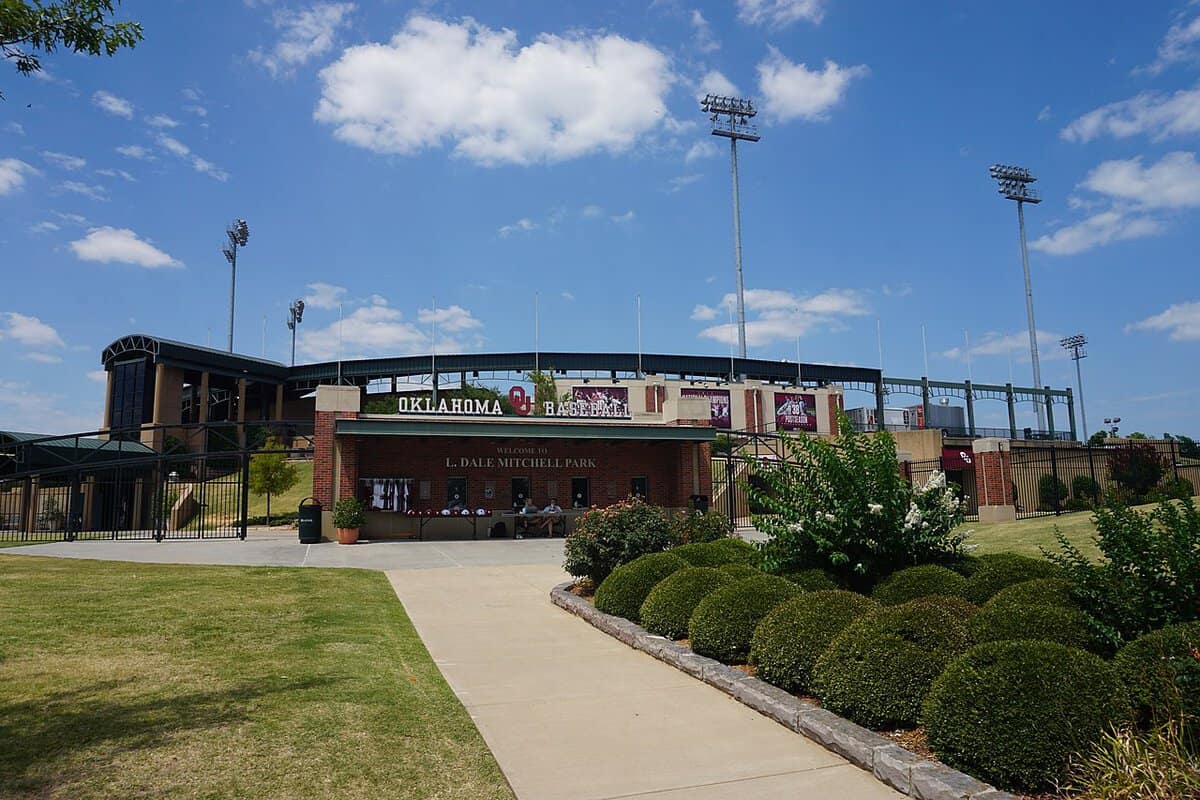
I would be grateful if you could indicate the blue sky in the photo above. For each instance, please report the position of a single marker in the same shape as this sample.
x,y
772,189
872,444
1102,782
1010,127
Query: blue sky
x,y
385,153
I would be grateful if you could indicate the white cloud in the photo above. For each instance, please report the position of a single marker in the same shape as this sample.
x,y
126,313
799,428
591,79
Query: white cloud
x,y
90,190
792,91
28,331
1173,182
715,82
680,181
775,315
523,225
136,151
199,111
63,160
1154,113
325,295
702,149
43,358
74,219
24,408
162,121
173,146
43,227
592,212
496,102
305,35
210,169
623,219
1015,344
116,173
452,319
99,376
779,13
371,329
567,296
1181,45
109,103
1181,320
1099,229
1044,115
123,246
14,128
702,34
13,172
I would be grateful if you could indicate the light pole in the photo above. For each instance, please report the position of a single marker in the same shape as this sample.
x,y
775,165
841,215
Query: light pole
x,y
1113,422
730,117
1076,345
1014,185
237,234
295,316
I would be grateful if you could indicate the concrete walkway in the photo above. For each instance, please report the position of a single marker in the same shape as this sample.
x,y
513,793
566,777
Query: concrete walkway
x,y
572,713
568,711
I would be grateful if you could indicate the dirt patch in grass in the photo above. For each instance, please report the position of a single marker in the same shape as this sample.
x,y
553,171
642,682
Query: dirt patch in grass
x,y
140,680
914,741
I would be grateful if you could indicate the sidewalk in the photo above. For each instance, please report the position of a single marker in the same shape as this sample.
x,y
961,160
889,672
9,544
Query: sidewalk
x,y
571,713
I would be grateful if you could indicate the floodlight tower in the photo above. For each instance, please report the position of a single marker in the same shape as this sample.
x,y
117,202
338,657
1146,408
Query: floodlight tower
x,y
237,234
295,316
1076,345
730,117
1014,185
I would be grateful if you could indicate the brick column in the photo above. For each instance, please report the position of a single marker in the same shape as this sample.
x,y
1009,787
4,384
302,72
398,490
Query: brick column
x,y
993,480
835,403
330,455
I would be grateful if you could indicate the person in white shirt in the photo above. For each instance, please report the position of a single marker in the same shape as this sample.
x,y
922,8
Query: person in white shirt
x,y
553,514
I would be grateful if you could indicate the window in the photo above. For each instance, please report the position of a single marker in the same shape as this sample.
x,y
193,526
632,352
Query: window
x,y
581,493
456,493
638,488
132,384
520,492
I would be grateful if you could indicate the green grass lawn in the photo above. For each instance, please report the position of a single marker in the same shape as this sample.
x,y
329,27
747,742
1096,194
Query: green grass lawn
x,y
138,680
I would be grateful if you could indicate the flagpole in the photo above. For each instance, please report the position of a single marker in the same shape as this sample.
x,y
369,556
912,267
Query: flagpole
x,y
537,346
639,334
433,378
339,366
925,349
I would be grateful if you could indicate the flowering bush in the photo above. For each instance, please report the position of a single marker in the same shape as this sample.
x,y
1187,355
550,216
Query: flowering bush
x,y
845,507
605,538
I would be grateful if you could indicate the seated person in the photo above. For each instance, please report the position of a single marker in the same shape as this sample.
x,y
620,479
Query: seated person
x,y
523,520
553,514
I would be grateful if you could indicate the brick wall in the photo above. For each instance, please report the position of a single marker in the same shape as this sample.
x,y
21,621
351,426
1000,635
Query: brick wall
x,y
836,403
323,457
993,478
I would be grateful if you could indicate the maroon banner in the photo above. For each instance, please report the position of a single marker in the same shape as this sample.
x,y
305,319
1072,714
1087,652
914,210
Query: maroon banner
x,y
718,403
599,401
795,412
958,457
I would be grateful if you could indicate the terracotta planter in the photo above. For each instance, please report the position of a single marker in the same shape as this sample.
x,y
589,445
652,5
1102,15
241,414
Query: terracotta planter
x,y
347,535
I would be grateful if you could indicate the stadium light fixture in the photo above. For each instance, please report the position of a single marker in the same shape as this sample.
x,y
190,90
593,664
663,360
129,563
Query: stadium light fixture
x,y
237,235
730,117
1077,346
1014,183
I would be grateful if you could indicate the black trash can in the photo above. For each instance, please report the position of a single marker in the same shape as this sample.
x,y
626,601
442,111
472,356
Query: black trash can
x,y
699,502
310,521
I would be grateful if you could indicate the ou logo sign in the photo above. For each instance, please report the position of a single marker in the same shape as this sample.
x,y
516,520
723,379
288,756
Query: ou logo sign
x,y
521,402
965,456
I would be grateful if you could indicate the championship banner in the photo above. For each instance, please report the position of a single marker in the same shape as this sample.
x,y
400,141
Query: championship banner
x,y
599,401
718,400
795,412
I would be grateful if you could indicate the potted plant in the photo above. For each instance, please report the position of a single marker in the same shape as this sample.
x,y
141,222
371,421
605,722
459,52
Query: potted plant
x,y
349,514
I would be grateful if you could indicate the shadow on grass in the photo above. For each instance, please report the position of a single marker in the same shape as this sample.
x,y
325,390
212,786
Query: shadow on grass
x,y
39,736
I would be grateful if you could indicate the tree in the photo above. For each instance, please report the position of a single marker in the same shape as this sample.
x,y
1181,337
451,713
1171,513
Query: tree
x,y
1137,468
1138,435
1097,438
1188,448
270,473
545,390
81,26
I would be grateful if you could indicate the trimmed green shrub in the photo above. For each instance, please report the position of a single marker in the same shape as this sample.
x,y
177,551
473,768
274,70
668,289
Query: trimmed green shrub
x,y
688,527
813,580
605,538
624,590
927,579
714,554
1052,493
1161,672
789,640
670,604
878,670
995,571
966,565
1009,621
740,571
723,623
1039,591
1085,487
1014,713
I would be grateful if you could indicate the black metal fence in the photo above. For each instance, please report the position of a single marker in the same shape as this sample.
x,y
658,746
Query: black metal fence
x,y
76,489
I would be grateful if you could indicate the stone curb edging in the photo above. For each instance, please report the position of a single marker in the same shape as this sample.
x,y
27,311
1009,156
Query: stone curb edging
x,y
921,778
